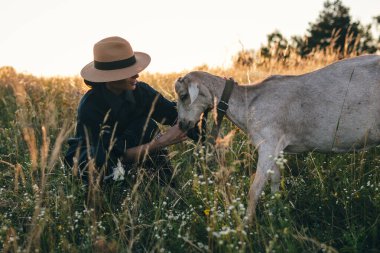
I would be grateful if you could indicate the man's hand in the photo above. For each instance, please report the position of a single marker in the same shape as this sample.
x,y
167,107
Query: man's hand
x,y
172,136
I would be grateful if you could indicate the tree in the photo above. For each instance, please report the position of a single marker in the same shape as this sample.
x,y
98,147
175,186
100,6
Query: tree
x,y
276,48
376,21
244,59
276,45
335,28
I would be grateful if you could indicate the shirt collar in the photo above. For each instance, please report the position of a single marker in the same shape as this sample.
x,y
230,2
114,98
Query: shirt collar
x,y
128,96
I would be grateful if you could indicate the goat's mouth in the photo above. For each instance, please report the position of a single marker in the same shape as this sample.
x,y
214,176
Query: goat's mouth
x,y
186,125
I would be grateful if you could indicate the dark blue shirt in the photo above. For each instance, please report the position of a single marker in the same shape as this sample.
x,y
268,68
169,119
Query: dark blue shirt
x,y
104,119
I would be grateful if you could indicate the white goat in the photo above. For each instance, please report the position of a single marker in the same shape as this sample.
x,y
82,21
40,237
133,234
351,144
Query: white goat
x,y
334,109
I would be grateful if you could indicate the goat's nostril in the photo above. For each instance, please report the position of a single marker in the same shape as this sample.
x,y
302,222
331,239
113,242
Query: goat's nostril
x,y
184,125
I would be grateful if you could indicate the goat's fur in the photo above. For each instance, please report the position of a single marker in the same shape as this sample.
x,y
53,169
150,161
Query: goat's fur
x,y
333,109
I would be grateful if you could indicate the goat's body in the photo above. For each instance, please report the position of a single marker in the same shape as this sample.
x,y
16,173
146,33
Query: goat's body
x,y
333,109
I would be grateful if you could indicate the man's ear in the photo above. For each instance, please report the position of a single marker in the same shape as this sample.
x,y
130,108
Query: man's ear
x,y
193,92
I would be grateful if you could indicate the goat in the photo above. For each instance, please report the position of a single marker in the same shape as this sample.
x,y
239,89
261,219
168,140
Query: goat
x,y
333,109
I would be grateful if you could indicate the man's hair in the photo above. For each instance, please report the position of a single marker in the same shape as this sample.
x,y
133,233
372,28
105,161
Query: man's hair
x,y
93,84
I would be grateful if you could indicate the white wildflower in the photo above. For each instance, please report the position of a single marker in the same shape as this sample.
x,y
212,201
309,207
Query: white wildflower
x,y
36,189
118,171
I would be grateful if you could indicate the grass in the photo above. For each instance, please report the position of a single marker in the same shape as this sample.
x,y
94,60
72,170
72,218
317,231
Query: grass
x,y
327,203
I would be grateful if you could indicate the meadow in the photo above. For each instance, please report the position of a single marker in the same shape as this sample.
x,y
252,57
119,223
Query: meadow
x,y
327,202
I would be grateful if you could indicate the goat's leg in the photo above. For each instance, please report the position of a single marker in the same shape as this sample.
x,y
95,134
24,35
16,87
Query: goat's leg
x,y
254,193
275,178
274,172
265,167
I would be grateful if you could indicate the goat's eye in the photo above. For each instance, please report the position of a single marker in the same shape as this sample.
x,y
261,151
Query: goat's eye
x,y
184,96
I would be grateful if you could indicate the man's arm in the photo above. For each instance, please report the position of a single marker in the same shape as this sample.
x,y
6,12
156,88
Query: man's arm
x,y
172,136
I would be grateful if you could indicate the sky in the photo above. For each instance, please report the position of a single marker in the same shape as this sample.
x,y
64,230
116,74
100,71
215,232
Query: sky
x,y
56,37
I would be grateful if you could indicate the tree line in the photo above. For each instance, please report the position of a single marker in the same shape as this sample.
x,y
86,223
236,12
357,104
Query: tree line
x,y
334,29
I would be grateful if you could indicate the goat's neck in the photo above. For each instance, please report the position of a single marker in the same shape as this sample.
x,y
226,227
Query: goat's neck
x,y
238,103
242,98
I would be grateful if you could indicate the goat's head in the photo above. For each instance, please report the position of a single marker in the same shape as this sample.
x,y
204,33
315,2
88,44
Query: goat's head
x,y
193,99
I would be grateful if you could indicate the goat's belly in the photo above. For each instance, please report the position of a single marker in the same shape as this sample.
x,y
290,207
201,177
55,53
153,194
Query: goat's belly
x,y
357,138
339,144
295,149
291,149
360,144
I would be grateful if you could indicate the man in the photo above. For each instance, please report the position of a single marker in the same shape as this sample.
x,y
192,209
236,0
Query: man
x,y
117,118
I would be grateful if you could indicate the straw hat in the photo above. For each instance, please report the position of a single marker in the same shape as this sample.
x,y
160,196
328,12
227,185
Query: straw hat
x,y
114,60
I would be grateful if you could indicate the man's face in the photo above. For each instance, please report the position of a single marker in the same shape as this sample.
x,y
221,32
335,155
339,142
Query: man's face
x,y
119,86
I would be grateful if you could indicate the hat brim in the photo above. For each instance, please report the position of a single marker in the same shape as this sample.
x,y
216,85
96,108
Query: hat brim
x,y
90,73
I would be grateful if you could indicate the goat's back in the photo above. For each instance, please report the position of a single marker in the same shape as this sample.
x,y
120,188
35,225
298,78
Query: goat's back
x,y
336,108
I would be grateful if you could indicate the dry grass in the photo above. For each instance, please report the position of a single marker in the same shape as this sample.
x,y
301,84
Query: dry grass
x,y
328,203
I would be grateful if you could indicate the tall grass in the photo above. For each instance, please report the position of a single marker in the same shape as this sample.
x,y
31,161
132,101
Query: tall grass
x,y
328,203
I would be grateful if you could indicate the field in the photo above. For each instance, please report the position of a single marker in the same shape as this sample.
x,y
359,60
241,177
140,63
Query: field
x,y
327,202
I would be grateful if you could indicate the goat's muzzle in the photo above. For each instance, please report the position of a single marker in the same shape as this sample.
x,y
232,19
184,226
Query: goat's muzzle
x,y
185,125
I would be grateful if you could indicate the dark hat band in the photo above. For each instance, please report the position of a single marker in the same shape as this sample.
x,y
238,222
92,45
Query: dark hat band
x,y
112,65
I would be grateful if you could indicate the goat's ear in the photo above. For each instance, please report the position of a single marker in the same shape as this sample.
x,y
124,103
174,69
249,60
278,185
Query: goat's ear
x,y
193,92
